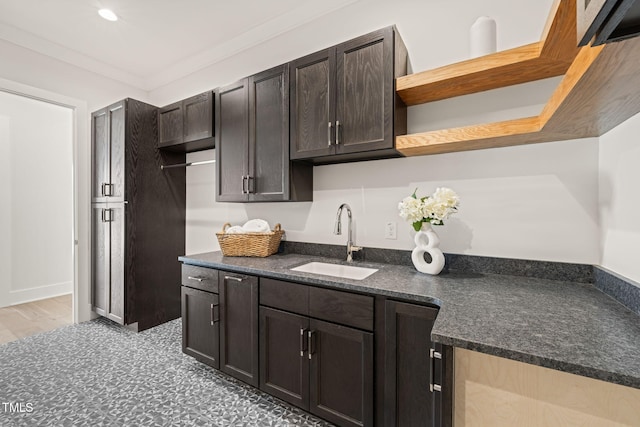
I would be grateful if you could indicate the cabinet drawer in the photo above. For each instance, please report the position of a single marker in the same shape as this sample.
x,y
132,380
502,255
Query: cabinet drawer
x,y
200,278
286,296
341,307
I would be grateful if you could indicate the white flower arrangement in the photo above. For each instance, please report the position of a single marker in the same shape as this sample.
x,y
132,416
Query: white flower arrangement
x,y
434,209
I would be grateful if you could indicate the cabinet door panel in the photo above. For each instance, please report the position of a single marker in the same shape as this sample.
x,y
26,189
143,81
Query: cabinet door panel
x,y
365,93
170,124
100,158
198,117
284,368
117,293
408,400
341,374
239,326
117,141
232,126
269,134
312,105
99,260
201,326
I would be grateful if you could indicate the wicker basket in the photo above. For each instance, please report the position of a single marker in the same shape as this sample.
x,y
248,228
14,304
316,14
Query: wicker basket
x,y
250,244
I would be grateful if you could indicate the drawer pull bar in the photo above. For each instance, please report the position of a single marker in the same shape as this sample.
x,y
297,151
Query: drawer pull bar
x,y
199,279
237,279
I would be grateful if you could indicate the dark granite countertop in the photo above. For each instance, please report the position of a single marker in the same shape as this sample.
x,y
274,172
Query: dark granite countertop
x,y
567,326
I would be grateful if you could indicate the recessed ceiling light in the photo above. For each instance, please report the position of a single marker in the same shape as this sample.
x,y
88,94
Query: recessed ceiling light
x,y
108,14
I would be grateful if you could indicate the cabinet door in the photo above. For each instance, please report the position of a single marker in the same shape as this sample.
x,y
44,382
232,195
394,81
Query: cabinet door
x,y
232,151
198,117
100,231
341,374
201,326
117,122
269,135
239,326
312,105
408,400
117,291
365,93
100,155
284,367
170,124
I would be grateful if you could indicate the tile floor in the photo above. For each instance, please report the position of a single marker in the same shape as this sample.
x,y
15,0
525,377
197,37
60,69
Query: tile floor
x,y
99,374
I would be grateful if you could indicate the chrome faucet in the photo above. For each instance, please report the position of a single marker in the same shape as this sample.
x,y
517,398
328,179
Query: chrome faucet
x,y
351,248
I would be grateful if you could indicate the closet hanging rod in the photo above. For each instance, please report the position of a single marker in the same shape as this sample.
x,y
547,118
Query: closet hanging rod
x,y
183,165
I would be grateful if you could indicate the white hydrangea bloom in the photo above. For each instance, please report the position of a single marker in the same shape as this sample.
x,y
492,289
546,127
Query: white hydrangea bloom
x,y
411,209
447,197
434,209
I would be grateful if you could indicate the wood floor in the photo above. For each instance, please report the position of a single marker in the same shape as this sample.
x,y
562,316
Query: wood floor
x,y
22,320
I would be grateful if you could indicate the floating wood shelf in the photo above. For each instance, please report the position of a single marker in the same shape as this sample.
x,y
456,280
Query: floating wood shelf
x,y
600,89
549,57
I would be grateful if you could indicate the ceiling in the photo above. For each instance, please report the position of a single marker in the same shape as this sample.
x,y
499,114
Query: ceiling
x,y
154,42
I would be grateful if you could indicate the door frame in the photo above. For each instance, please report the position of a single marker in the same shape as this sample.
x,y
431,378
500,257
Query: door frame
x,y
80,197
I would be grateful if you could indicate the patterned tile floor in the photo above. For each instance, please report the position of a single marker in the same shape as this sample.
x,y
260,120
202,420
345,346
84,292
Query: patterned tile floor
x,y
100,374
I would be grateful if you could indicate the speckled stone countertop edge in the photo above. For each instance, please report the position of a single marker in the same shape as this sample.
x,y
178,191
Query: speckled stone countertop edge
x,y
276,269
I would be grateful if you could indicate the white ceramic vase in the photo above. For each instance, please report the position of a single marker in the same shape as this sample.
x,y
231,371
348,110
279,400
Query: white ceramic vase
x,y
427,241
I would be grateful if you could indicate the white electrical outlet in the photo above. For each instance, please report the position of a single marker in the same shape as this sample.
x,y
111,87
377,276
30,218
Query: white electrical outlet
x,y
390,230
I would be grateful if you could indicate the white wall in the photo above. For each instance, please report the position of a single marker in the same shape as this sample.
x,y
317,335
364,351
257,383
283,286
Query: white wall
x,y
25,71
5,210
40,189
534,202
620,199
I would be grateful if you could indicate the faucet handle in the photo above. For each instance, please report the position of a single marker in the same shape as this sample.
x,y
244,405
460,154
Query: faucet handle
x,y
356,248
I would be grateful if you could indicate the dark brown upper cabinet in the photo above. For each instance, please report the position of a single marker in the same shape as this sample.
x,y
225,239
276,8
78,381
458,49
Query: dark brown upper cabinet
x,y
187,125
343,101
252,156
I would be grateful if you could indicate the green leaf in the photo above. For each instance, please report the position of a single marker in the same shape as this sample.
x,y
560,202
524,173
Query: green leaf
x,y
414,193
417,225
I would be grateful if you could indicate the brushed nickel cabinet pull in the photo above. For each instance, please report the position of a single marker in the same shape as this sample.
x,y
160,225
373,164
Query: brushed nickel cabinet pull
x,y
199,279
433,355
237,279
329,134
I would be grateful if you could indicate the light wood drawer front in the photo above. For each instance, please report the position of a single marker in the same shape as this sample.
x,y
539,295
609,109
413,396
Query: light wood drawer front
x,y
286,296
341,307
202,278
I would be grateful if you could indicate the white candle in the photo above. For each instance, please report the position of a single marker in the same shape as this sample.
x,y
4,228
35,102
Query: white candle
x,y
482,37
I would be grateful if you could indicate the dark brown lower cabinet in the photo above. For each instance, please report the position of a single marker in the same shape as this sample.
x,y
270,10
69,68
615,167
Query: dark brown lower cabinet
x,y
201,326
284,366
416,375
239,326
318,366
341,374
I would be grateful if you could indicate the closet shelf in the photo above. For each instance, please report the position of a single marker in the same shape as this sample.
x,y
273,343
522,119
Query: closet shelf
x,y
600,90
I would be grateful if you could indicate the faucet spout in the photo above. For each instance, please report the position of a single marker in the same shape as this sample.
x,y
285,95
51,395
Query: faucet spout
x,y
338,230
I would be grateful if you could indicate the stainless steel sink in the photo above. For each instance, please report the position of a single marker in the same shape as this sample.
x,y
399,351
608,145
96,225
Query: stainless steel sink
x,y
336,270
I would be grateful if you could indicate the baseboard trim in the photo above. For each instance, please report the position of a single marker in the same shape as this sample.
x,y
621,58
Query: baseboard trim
x,y
23,296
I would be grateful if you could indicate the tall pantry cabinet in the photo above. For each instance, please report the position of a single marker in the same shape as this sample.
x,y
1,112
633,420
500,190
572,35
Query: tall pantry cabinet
x,y
138,218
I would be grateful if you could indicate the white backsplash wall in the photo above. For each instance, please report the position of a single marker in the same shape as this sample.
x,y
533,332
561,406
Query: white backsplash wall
x,y
620,199
532,202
